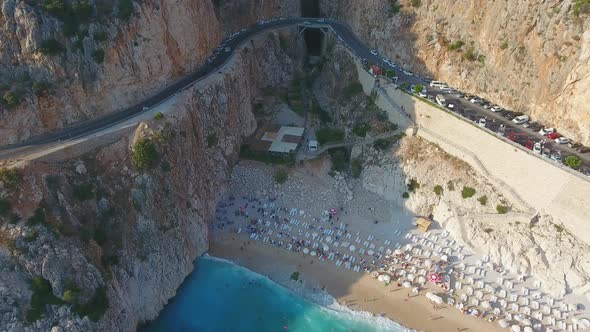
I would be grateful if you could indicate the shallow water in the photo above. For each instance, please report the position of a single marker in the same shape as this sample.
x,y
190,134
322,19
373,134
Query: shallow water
x,y
222,296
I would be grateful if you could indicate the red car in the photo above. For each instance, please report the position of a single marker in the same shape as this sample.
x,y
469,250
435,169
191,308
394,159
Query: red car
x,y
553,135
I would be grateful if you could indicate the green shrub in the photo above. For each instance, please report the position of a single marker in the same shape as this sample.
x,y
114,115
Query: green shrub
x,y
504,45
281,176
13,218
42,296
37,218
212,140
405,86
98,55
581,7
573,161
483,200
456,45
144,154
82,10
125,9
438,190
394,8
70,296
361,129
481,58
295,276
96,307
356,166
159,116
501,209
418,88
470,54
165,166
84,191
413,185
339,158
100,36
5,206
51,47
55,7
10,99
383,144
467,192
352,90
558,228
329,135
40,87
416,3
9,177
406,195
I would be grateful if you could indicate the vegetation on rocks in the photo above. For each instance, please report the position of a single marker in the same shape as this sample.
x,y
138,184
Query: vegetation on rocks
x,y
9,177
413,185
212,140
98,55
502,209
356,166
281,176
10,99
483,200
84,191
340,159
573,161
51,47
96,307
329,135
41,297
581,7
467,192
361,129
144,154
438,190
353,89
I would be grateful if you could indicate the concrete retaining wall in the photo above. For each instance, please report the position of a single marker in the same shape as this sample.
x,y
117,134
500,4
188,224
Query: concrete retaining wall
x,y
520,175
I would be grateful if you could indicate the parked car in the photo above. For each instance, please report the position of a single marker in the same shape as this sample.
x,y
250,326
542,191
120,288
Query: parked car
x,y
487,106
529,124
482,122
556,156
227,49
374,52
535,126
562,140
496,108
584,149
521,119
537,147
553,135
501,130
573,145
546,131
546,153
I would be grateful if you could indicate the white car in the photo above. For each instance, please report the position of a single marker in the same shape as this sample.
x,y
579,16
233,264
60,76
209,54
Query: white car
x,y
546,131
227,49
482,122
537,147
521,119
451,106
475,100
562,140
422,93
496,109
374,52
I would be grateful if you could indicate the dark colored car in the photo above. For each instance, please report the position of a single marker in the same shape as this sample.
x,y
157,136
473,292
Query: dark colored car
x,y
584,149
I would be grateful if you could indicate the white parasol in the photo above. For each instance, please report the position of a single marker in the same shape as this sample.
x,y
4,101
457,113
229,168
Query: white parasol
x,y
428,263
352,248
408,247
313,253
411,277
407,284
386,277
370,252
305,250
503,323
422,279
486,304
398,252
326,248
527,322
314,235
515,328
444,258
328,239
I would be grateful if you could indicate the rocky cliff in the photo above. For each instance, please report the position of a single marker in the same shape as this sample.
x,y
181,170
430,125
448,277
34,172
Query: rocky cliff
x,y
529,55
61,64
125,221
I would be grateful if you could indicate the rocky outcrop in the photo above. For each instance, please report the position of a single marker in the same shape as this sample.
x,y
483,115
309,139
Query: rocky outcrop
x,y
526,244
134,232
532,56
161,42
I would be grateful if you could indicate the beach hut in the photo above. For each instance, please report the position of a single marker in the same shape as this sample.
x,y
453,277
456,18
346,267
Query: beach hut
x,y
423,224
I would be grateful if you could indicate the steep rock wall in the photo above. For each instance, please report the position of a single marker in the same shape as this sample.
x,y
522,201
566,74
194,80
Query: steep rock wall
x,y
161,42
527,55
138,232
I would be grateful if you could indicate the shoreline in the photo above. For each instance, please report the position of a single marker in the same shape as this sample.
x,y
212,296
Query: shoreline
x,y
356,291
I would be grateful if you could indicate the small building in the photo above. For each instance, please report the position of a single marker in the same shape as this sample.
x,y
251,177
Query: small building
x,y
284,140
423,224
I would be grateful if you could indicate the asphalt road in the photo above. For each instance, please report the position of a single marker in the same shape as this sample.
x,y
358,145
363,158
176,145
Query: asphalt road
x,y
221,55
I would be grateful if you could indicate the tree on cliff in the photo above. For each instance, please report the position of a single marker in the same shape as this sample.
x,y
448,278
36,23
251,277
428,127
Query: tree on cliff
x,y
144,154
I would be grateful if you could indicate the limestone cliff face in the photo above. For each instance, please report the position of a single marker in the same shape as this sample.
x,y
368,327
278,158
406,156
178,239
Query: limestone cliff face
x,y
527,55
162,41
134,232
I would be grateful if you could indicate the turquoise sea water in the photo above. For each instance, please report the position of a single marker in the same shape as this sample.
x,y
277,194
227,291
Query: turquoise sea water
x,y
221,296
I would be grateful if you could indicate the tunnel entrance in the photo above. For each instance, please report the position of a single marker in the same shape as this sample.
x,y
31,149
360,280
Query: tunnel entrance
x,y
313,37
310,8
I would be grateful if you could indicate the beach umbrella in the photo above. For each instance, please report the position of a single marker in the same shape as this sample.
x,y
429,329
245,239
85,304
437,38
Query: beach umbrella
x,y
486,304
528,329
386,277
445,258
326,248
345,244
422,279
407,284
503,323
428,263
411,277
408,247
527,322
515,328
370,252
381,277
398,252
328,239
314,234
584,323
313,253
305,250
415,290
352,248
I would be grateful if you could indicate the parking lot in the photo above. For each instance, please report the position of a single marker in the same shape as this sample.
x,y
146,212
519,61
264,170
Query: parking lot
x,y
499,122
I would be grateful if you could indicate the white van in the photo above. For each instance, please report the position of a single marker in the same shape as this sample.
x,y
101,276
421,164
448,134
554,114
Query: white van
x,y
520,119
312,146
438,84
